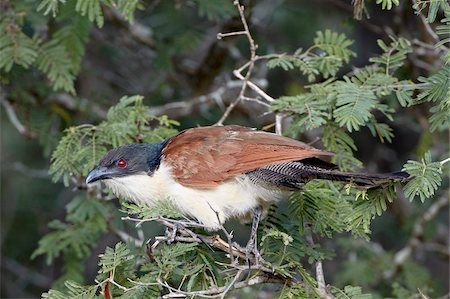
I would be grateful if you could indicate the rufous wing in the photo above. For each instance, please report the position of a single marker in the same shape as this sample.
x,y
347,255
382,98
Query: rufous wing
x,y
204,157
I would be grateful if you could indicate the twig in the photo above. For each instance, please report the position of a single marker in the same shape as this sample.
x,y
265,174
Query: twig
x,y
249,65
278,124
415,239
215,292
25,275
228,235
125,237
12,116
320,277
222,35
185,107
445,161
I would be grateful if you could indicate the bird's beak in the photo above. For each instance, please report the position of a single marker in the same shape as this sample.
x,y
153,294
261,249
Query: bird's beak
x,y
98,173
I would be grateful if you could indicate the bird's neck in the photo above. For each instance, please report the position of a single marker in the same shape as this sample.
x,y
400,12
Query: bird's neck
x,y
142,188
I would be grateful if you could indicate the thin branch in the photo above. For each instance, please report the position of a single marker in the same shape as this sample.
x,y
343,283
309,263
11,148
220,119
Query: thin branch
x,y
320,278
415,239
250,64
228,235
186,107
222,35
125,237
445,161
12,116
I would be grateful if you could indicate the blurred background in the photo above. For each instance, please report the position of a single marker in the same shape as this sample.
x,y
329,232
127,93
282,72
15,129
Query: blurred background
x,y
171,56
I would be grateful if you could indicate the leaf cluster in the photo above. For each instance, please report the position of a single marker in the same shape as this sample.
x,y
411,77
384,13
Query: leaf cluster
x,y
325,57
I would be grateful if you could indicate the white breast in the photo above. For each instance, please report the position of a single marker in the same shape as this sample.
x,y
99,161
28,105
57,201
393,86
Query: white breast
x,y
234,197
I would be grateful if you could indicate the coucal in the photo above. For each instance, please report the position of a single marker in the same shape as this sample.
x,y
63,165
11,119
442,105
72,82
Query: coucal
x,y
214,173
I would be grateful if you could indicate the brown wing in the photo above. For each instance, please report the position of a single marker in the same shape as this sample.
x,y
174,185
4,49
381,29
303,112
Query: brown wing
x,y
204,157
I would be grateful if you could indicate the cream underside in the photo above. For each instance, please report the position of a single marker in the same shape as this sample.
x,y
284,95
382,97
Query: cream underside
x,y
235,197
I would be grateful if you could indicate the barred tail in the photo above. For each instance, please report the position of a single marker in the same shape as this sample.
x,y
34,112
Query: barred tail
x,y
291,174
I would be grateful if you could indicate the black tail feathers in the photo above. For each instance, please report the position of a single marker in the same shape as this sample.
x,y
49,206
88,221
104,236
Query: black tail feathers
x,y
362,179
291,174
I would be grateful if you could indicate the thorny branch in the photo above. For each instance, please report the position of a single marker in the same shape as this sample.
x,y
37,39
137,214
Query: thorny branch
x,y
264,271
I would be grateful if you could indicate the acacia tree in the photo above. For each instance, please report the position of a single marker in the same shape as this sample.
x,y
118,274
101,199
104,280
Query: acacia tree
x,y
336,101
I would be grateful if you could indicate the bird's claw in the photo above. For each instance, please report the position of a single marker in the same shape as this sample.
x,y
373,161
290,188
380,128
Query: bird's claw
x,y
171,234
252,252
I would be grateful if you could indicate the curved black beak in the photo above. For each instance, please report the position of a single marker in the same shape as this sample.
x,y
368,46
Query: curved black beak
x,y
98,173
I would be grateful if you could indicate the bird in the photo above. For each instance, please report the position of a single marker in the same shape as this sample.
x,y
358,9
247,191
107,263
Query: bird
x,y
215,173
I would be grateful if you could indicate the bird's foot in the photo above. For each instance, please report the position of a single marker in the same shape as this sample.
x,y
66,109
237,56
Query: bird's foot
x,y
171,234
252,253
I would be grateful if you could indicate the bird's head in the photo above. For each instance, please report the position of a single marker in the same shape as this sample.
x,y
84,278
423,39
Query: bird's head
x,y
127,160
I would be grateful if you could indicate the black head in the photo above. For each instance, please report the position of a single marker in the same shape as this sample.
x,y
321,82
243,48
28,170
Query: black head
x,y
127,160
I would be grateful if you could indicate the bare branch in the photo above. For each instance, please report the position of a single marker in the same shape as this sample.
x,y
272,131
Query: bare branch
x,y
415,239
249,65
12,116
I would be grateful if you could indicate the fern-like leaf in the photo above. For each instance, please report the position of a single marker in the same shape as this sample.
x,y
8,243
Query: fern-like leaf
x,y
350,292
387,4
50,6
55,62
354,105
73,37
394,54
427,177
432,6
92,9
436,87
339,142
335,44
16,47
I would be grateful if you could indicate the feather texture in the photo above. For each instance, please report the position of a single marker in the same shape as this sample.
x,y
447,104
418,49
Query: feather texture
x,y
205,157
291,174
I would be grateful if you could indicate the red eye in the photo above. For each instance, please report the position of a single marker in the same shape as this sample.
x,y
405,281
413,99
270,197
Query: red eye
x,y
121,163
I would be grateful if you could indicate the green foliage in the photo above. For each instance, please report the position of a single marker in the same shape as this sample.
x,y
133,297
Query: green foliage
x,y
353,105
293,292
436,87
55,62
350,292
73,37
394,54
367,98
16,47
339,142
334,44
432,6
330,210
59,55
427,177
387,4
215,10
48,6
163,208
86,222
326,56
92,9
113,260
75,290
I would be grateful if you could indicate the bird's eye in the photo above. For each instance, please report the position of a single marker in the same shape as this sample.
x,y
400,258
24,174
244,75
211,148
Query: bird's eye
x,y
121,163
